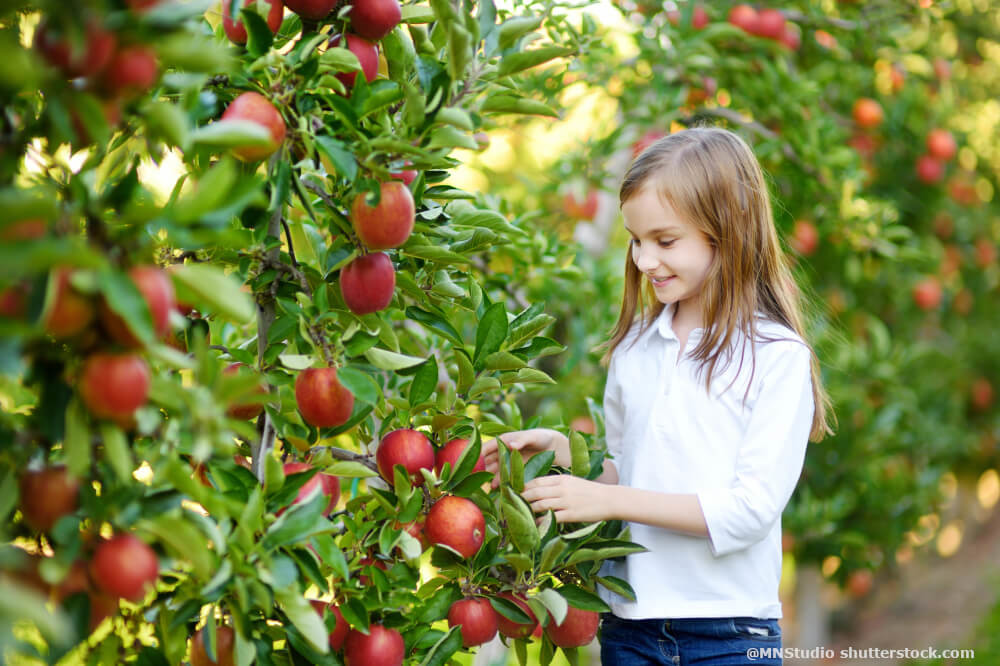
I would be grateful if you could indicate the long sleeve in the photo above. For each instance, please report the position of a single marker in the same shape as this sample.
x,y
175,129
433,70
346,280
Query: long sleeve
x,y
770,458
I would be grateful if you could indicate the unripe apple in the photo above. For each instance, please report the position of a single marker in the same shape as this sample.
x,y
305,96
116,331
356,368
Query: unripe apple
x,y
867,113
47,495
237,32
340,628
450,452
805,237
927,293
322,400
477,619
458,523
367,54
256,108
313,10
113,386
390,222
76,59
368,283
409,448
578,628
248,408
770,23
509,628
327,484
374,19
381,647
123,566
929,169
225,644
69,312
941,144
157,291
132,71
745,18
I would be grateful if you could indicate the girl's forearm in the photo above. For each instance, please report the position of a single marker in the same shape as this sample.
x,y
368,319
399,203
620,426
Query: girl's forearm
x,y
673,511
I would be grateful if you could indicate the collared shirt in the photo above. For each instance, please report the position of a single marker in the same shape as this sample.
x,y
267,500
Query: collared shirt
x,y
742,458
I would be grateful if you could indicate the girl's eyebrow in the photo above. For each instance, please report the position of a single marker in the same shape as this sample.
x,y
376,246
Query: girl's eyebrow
x,y
658,230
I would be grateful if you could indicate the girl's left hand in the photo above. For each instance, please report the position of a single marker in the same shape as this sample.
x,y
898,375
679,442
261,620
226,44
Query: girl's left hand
x,y
574,500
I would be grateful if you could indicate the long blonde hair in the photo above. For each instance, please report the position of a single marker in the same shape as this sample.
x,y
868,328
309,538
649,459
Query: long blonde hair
x,y
712,179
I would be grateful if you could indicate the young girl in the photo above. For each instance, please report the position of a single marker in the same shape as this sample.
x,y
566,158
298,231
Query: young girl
x,y
710,399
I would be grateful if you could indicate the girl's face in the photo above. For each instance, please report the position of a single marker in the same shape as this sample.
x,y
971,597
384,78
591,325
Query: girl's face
x,y
672,254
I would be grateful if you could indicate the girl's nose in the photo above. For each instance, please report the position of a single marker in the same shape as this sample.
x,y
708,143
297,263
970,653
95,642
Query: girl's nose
x,y
645,261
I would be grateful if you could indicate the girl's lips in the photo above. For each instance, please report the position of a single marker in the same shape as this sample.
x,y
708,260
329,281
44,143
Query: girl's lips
x,y
660,283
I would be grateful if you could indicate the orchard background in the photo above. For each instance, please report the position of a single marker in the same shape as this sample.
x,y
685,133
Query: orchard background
x,y
213,312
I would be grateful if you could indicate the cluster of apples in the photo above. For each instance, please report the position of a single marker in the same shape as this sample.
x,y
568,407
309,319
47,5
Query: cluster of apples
x,y
766,23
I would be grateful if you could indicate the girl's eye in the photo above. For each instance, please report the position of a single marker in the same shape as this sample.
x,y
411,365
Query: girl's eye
x,y
666,243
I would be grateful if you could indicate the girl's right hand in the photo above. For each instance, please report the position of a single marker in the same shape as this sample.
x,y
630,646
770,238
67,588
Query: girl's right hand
x,y
529,443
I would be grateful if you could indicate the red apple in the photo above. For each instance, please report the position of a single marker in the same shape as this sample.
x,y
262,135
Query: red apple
x,y
770,23
805,237
929,169
581,210
477,619
511,629
374,19
982,394
256,108
450,452
313,10
867,113
986,252
941,144
699,17
578,628
123,566
745,18
458,523
368,283
791,36
645,141
133,70
387,224
113,386
322,400
86,58
409,448
367,53
47,495
406,175
381,647
157,291
237,32
328,484
340,629
69,311
927,293
225,644
248,408
859,583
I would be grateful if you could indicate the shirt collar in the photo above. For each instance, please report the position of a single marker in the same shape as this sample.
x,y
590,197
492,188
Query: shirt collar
x,y
663,326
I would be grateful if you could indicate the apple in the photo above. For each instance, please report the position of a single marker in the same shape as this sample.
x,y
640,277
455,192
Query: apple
x,y
368,283
770,23
930,170
114,385
157,291
328,484
867,113
248,408
125,567
927,293
237,32
374,19
581,210
645,141
859,583
578,628
805,237
477,619
256,108
450,452
458,523
986,252
313,10
944,225
511,629
791,36
322,400
225,643
941,144
482,140
86,58
380,647
367,54
132,71
897,76
340,628
982,394
47,495
405,175
963,190
699,17
387,224
963,302
409,448
745,18
942,69
69,312
864,144
825,39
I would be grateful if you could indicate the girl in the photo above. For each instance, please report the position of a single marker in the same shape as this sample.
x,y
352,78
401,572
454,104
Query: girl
x,y
710,399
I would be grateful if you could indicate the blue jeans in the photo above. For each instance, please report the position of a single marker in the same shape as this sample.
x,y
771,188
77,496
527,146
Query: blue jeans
x,y
690,642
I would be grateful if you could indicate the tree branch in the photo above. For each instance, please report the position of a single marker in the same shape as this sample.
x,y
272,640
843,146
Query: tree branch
x,y
344,454
265,317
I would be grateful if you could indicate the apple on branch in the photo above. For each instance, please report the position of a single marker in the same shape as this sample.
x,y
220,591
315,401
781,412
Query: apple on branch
x,y
388,223
125,567
322,400
456,522
256,108
577,629
379,647
409,448
237,32
225,645
368,283
478,621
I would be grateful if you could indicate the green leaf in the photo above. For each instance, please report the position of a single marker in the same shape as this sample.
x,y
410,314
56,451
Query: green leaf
x,y
538,465
444,648
551,553
617,585
116,451
190,52
580,455
209,193
504,361
338,155
185,540
521,105
76,441
424,382
224,134
259,35
298,609
451,115
359,383
169,121
484,385
582,599
514,28
124,298
350,469
518,62
491,332
554,603
214,291
520,522
466,373
417,14
451,137
435,323
387,360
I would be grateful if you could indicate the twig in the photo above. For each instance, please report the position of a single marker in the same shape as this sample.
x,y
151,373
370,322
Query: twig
x,y
344,454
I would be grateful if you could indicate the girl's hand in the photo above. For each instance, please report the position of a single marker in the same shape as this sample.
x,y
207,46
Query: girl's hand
x,y
529,443
574,500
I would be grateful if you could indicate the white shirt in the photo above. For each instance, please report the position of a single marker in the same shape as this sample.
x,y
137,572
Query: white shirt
x,y
668,434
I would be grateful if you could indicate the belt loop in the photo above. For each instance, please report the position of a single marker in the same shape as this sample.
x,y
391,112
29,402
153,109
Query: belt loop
x,y
666,625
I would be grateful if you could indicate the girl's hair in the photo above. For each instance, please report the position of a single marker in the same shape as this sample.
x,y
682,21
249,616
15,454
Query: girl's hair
x,y
711,178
